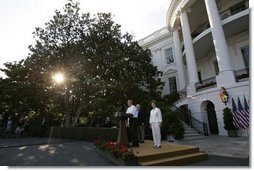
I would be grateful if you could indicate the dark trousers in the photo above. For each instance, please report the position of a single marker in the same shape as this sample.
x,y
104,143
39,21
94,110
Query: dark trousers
x,y
129,134
134,130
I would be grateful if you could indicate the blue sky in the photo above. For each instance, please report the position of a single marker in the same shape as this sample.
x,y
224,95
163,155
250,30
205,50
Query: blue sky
x,y
20,17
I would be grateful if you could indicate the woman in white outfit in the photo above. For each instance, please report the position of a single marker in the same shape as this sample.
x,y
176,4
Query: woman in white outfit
x,y
155,123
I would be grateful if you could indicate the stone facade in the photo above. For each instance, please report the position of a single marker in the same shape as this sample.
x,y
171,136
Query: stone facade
x,y
204,46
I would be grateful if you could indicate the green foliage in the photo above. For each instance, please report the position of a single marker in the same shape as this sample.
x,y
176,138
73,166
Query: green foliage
x,y
172,125
84,133
172,97
228,119
103,68
178,129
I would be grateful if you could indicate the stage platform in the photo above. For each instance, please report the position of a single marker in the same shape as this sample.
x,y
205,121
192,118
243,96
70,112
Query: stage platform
x,y
169,154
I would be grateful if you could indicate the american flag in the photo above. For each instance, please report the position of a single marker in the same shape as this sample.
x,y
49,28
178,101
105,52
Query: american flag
x,y
235,115
246,106
243,115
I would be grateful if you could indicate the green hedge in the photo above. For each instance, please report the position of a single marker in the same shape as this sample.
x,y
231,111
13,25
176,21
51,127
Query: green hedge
x,y
84,133
172,125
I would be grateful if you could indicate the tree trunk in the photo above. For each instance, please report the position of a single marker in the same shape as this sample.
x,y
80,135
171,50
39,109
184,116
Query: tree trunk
x,y
71,118
67,120
67,110
77,114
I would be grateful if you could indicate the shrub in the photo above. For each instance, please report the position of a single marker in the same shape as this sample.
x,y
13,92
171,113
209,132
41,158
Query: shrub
x,y
116,150
84,133
172,125
172,97
178,129
228,119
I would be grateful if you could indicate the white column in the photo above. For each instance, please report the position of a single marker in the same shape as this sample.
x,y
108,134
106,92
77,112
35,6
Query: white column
x,y
219,41
179,60
189,51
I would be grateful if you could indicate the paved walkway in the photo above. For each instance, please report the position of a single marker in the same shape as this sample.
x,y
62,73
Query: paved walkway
x,y
31,141
222,151
222,145
49,152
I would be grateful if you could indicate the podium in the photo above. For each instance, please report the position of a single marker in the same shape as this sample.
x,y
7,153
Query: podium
x,y
122,133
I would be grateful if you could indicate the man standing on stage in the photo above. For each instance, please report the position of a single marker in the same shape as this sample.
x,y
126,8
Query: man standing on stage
x,y
133,123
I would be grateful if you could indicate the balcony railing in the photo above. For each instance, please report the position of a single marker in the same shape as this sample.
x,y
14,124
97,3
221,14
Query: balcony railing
x,y
206,84
242,75
223,15
200,29
183,93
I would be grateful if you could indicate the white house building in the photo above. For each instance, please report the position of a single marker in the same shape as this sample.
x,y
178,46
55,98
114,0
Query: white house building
x,y
204,46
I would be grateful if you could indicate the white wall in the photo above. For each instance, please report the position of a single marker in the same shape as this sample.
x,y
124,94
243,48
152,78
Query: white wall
x,y
197,103
234,90
206,66
158,44
235,43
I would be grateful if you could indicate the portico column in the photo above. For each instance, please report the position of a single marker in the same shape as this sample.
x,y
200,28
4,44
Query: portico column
x,y
179,60
219,41
189,51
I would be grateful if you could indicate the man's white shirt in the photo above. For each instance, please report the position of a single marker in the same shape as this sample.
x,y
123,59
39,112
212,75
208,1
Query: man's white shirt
x,y
133,110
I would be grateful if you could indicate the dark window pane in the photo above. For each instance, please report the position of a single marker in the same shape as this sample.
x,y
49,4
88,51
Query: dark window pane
x,y
172,84
169,55
245,54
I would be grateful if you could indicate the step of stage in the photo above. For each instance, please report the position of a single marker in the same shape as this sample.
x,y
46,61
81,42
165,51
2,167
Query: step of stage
x,y
176,161
168,155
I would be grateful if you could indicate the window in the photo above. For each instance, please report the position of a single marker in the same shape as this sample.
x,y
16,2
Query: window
x,y
245,54
238,8
172,85
199,76
183,48
169,55
216,68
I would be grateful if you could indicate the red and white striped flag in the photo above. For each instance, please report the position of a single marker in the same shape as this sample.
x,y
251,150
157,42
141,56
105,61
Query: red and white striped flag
x,y
246,106
242,116
235,115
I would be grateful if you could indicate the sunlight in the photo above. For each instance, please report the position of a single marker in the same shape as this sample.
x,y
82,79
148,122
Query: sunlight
x,y
52,151
74,160
20,154
43,147
58,78
22,148
30,158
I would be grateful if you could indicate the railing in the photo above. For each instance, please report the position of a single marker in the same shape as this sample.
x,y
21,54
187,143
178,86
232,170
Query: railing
x,y
242,75
200,29
198,125
206,84
223,15
183,93
239,7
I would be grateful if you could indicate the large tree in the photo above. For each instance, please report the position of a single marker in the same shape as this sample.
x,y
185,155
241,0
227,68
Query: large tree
x,y
102,66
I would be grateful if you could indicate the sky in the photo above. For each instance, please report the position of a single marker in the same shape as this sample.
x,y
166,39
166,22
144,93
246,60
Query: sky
x,y
20,17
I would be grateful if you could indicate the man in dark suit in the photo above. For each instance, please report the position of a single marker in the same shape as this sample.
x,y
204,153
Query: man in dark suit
x,y
141,122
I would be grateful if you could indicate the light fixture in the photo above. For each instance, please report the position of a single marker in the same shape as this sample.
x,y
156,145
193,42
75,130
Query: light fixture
x,y
224,95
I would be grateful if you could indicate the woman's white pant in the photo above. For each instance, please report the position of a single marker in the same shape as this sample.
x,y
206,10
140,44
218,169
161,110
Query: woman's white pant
x,y
156,130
